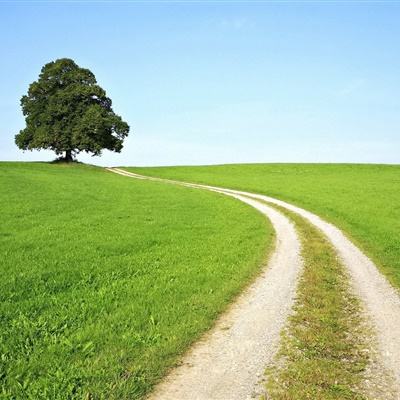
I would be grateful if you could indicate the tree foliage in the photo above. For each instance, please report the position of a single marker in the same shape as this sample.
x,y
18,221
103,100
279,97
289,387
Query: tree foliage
x,y
68,112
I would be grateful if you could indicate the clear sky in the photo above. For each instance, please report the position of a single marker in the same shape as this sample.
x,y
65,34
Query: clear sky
x,y
218,82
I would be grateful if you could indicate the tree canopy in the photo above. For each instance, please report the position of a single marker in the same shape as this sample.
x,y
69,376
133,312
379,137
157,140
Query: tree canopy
x,y
68,112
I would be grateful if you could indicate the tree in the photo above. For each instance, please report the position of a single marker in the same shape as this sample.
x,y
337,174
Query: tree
x,y
67,112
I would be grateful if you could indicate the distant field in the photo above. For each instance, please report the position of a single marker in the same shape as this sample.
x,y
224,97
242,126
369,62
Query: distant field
x,y
105,280
363,200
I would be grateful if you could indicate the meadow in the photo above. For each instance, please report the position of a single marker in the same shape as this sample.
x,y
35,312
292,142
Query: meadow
x,y
107,280
361,199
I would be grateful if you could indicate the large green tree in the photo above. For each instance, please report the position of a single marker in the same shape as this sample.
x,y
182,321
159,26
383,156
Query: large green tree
x,y
68,112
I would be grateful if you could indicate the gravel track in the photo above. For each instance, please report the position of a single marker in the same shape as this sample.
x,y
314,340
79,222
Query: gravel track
x,y
380,300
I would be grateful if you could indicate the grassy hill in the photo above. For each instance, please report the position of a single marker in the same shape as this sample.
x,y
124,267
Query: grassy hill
x,y
363,200
106,279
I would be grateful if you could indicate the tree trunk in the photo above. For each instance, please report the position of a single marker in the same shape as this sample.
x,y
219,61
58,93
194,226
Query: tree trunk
x,y
68,156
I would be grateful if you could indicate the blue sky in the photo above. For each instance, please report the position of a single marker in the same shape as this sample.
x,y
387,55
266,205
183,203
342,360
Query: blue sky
x,y
219,82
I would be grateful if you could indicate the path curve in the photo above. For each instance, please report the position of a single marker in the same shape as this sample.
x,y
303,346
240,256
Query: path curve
x,y
229,362
380,300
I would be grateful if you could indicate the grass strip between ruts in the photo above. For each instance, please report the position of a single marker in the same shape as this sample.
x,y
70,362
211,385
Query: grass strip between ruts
x,y
322,354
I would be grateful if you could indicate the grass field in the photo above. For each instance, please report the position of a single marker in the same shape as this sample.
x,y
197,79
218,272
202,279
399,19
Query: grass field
x,y
363,200
106,280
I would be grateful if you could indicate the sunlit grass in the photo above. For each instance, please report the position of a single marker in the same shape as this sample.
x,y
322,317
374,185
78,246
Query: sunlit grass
x,y
363,200
106,280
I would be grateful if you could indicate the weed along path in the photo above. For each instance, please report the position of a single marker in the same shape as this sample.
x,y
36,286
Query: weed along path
x,y
229,362
225,364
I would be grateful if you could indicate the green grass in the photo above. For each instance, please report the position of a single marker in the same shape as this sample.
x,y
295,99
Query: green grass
x,y
322,353
106,280
363,200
